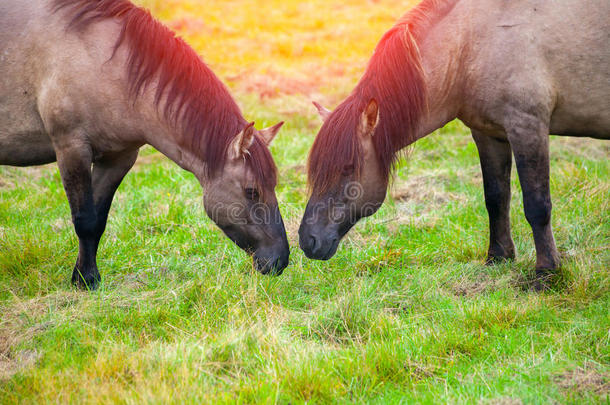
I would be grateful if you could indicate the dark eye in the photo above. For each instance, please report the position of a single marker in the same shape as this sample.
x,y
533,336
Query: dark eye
x,y
252,194
348,170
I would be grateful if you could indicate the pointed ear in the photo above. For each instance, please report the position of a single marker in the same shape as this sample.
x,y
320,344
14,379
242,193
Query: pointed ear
x,y
242,142
324,113
369,118
268,134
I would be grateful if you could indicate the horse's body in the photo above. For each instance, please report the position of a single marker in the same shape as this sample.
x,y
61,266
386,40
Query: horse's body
x,y
552,57
513,71
86,83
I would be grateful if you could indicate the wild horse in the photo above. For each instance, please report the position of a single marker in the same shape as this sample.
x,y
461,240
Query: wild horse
x,y
512,71
86,83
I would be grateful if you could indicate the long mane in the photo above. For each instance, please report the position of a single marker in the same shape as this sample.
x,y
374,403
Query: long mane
x,y
395,79
193,100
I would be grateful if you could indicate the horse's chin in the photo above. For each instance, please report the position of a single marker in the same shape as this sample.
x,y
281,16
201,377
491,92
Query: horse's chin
x,y
319,247
324,255
273,266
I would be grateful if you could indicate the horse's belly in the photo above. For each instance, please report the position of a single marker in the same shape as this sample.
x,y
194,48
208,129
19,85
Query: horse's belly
x,y
26,149
590,119
23,139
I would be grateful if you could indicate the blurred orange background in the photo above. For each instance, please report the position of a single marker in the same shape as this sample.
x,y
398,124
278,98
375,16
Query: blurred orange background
x,y
272,48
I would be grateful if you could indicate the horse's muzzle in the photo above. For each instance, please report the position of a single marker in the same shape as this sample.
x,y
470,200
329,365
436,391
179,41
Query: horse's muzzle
x,y
316,246
271,264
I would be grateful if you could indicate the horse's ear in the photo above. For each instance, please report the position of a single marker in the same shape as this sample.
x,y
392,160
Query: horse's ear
x,y
324,113
242,142
268,134
369,118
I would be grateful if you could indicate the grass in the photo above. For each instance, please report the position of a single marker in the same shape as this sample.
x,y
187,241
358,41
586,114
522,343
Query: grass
x,y
405,312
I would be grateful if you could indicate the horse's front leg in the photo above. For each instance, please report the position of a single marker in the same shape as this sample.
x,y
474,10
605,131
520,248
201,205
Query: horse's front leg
x,y
496,161
529,140
90,196
107,176
74,158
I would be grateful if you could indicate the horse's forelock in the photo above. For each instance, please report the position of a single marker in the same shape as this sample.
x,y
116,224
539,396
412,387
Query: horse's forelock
x,y
394,78
261,164
336,147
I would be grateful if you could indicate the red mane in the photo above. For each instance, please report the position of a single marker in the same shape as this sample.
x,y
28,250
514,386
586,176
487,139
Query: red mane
x,y
194,100
394,78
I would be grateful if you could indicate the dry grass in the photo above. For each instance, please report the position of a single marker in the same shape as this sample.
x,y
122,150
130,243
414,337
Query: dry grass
x,y
581,380
23,321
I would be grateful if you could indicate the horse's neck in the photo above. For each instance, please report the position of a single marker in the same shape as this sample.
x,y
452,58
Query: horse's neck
x,y
442,47
160,134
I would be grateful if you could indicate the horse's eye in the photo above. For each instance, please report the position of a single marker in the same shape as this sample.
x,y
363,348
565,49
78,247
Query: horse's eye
x,y
252,194
348,170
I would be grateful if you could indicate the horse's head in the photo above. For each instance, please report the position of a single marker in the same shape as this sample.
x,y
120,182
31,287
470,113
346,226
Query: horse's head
x,y
347,182
241,200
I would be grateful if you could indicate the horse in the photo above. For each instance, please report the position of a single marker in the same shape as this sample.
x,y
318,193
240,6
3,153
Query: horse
x,y
86,83
513,72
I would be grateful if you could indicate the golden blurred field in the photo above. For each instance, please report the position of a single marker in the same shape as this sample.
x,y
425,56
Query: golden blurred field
x,y
317,48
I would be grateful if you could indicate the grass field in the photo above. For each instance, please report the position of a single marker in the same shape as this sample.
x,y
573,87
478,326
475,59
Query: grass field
x,y
406,310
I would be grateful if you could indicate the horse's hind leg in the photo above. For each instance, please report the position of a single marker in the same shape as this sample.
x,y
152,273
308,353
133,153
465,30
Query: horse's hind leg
x,y
529,140
496,161
106,178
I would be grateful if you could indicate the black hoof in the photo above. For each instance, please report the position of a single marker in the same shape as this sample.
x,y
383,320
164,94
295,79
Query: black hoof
x,y
86,281
492,260
542,280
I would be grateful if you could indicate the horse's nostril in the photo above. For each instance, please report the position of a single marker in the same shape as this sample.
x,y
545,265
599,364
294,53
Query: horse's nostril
x,y
312,242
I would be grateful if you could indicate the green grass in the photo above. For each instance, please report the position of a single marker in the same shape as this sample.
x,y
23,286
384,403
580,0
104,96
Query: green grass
x,y
406,311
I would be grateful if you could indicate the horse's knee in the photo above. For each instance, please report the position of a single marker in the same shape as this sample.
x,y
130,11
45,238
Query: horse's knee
x,y
86,225
538,211
495,198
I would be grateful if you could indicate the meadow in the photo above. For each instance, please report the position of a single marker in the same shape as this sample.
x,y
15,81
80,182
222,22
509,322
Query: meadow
x,y
405,312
